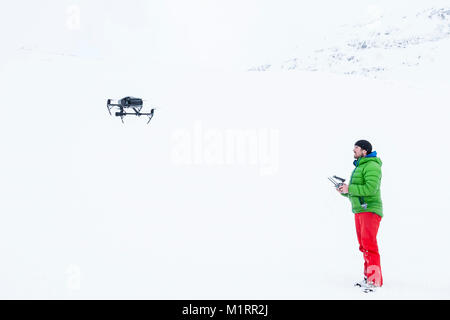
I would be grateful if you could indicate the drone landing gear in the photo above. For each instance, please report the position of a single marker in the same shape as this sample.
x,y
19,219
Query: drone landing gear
x,y
122,114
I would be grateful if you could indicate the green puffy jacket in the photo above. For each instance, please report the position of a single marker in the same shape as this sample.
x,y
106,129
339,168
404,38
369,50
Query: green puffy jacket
x,y
364,186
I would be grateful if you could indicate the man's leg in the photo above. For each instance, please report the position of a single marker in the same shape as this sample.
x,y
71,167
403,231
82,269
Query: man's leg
x,y
370,223
358,234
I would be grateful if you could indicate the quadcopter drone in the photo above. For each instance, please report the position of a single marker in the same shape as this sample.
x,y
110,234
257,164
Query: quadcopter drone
x,y
129,103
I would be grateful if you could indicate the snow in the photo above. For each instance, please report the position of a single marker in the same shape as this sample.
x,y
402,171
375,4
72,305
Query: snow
x,y
225,194
386,44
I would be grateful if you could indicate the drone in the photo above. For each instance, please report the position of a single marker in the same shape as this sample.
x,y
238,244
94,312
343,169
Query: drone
x,y
337,184
135,104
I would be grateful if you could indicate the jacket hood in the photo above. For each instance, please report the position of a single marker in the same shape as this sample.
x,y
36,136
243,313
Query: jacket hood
x,y
370,157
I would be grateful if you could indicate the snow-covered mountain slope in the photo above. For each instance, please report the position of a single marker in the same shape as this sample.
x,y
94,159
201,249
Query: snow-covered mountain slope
x,y
384,47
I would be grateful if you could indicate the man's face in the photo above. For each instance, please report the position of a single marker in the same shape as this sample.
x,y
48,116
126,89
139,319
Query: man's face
x,y
358,152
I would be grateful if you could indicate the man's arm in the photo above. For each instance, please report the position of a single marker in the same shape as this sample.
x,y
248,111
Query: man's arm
x,y
344,195
370,187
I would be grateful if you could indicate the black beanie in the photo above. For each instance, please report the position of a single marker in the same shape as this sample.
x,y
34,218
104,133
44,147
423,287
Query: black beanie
x,y
364,144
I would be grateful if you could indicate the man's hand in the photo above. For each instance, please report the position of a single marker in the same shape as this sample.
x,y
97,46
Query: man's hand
x,y
343,188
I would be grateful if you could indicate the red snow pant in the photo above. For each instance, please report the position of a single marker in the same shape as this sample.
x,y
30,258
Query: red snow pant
x,y
367,224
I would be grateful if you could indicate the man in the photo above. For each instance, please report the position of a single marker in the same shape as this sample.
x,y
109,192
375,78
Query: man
x,y
363,191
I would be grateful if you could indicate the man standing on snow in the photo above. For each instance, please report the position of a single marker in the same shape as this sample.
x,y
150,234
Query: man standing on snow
x,y
364,194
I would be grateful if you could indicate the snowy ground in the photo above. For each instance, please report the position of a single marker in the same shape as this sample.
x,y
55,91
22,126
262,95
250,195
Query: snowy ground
x,y
177,209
